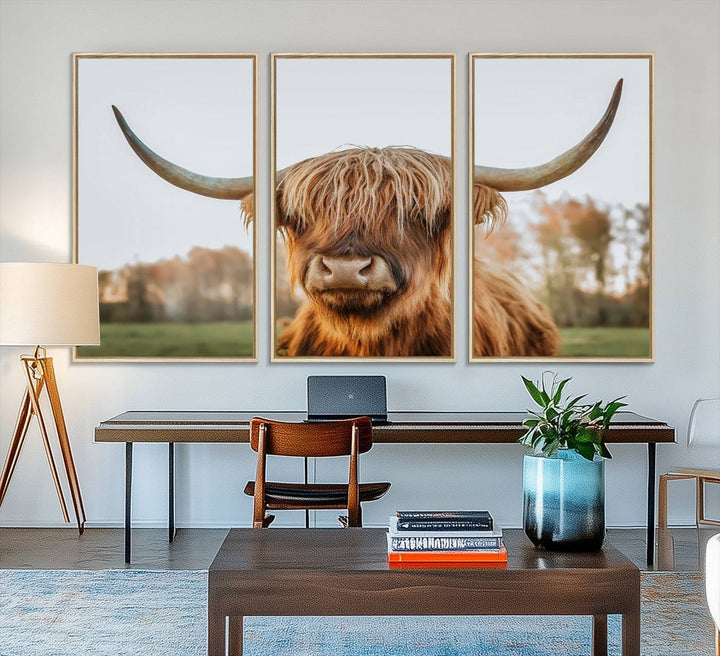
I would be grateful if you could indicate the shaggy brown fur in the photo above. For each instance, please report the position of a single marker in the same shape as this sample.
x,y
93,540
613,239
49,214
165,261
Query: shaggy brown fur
x,y
317,334
507,319
368,190
489,207
395,204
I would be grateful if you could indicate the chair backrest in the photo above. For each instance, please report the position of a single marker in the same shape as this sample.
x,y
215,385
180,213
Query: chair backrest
x,y
704,423
311,440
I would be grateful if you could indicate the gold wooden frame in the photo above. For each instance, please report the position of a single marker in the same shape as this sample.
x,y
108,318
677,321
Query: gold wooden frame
x,y
472,57
273,182
76,57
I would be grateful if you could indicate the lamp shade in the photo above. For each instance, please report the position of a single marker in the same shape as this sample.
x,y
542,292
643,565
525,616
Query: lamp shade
x,y
48,304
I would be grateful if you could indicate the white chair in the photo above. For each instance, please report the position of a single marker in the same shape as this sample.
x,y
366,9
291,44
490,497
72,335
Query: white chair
x,y
712,584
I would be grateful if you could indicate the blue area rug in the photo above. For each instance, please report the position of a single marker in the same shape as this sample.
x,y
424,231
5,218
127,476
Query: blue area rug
x,y
130,612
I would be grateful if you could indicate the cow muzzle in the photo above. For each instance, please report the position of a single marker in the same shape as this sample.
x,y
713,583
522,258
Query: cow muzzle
x,y
349,273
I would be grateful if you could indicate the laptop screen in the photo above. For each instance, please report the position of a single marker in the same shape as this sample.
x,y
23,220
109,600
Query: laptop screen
x,y
341,397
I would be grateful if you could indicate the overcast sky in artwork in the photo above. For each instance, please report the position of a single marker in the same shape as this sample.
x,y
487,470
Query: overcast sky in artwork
x,y
529,110
326,104
198,113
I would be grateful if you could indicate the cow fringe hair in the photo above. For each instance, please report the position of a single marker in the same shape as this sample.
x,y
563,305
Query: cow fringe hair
x,y
361,187
489,207
247,210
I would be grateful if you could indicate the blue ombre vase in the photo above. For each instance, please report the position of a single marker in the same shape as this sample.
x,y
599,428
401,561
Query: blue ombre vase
x,y
564,501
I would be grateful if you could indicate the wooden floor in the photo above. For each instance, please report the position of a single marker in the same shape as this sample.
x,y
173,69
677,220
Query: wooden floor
x,y
680,549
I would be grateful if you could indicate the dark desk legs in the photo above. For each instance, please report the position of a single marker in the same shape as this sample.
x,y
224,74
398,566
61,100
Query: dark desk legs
x,y
171,491
307,512
651,505
128,495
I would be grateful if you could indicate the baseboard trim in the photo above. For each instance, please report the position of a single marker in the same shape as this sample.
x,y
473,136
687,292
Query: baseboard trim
x,y
141,523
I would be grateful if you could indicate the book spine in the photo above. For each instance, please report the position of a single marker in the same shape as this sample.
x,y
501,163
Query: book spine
x,y
445,525
497,556
440,515
393,532
443,543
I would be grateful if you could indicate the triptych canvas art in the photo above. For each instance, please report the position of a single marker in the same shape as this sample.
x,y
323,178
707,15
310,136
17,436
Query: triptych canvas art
x,y
366,203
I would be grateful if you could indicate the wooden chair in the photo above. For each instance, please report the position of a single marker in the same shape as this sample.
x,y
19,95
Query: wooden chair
x,y
701,477
703,429
349,437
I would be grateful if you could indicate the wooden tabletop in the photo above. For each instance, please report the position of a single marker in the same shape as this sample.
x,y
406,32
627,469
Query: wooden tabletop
x,y
365,549
408,426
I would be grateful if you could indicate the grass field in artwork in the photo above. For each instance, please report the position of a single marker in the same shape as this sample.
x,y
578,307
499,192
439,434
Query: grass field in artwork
x,y
605,342
221,339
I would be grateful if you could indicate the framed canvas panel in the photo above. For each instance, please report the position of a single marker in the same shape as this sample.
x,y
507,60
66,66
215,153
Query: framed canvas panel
x,y
164,165
363,210
561,207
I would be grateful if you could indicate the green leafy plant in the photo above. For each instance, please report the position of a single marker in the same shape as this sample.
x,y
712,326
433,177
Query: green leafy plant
x,y
566,425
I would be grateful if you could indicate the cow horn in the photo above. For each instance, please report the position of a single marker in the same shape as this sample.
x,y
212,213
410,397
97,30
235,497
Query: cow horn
x,y
563,165
226,188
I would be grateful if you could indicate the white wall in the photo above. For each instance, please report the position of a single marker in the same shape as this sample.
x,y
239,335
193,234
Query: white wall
x,y
37,38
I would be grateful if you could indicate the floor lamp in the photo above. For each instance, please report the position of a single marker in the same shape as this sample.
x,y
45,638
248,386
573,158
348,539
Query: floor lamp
x,y
46,304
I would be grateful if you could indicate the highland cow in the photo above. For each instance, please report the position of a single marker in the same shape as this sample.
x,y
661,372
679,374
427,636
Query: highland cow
x,y
368,233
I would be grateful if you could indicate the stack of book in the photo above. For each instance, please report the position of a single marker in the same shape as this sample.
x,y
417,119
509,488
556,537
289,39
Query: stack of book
x,y
463,537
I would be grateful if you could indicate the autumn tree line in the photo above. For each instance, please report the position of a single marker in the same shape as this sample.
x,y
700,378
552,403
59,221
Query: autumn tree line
x,y
589,262
206,285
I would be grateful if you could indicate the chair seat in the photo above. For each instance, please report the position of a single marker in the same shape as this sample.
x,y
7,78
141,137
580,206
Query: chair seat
x,y
314,495
690,472
701,477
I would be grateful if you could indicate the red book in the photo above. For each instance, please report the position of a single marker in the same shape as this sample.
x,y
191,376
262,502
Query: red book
x,y
448,565
450,557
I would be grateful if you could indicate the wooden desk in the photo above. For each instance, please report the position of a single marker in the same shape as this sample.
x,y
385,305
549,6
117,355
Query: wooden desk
x,y
404,427
279,572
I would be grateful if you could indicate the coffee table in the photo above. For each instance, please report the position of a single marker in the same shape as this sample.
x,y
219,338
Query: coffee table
x,y
345,572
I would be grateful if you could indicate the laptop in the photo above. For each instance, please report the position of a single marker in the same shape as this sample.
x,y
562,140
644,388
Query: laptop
x,y
330,398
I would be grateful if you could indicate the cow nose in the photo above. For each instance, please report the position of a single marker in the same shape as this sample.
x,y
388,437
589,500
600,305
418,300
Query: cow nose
x,y
348,271
345,271
327,272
